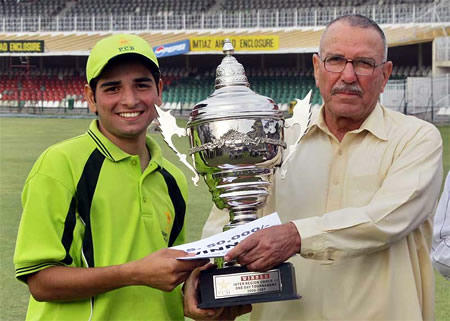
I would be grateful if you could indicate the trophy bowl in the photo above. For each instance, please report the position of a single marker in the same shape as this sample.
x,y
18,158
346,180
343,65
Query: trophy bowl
x,y
236,139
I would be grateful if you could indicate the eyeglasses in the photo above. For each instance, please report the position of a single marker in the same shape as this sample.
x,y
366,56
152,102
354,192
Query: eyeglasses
x,y
361,66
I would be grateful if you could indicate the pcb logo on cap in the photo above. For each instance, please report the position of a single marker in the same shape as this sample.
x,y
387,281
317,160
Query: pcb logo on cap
x,y
124,45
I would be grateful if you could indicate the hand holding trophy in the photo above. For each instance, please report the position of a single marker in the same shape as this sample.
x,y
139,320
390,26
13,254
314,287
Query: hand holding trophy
x,y
236,138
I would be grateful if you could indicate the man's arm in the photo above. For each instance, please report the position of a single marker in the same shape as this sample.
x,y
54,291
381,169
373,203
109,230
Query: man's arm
x,y
160,270
406,198
440,254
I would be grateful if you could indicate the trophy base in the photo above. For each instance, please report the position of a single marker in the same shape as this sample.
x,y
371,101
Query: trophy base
x,y
236,285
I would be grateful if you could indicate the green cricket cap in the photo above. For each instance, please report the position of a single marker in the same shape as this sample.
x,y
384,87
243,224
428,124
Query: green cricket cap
x,y
116,45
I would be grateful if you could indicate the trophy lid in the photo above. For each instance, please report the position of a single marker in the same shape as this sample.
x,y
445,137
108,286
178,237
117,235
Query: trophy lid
x,y
232,97
230,72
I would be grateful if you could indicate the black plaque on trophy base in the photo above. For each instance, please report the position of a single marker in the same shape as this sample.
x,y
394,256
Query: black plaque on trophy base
x,y
236,285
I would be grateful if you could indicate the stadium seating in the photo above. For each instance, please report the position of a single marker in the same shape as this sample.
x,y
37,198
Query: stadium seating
x,y
402,72
139,7
281,84
42,87
396,2
181,86
11,8
237,5
31,8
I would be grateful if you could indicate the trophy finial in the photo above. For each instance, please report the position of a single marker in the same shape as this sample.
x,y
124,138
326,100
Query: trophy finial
x,y
228,48
230,72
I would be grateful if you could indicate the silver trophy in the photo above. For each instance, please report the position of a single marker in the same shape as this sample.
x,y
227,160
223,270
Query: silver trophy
x,y
237,138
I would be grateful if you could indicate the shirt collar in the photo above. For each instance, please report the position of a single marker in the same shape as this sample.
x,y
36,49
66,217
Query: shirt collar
x,y
155,151
115,153
374,123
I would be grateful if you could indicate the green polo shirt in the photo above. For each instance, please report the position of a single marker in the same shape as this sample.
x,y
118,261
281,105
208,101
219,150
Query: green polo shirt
x,y
86,203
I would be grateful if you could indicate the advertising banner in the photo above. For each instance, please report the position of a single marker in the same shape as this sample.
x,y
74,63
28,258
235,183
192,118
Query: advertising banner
x,y
172,49
241,43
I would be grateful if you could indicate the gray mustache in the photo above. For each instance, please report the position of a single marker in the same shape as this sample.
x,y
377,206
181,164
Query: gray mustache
x,y
354,89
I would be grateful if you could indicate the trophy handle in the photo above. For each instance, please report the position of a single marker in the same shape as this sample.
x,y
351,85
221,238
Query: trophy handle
x,y
169,127
302,117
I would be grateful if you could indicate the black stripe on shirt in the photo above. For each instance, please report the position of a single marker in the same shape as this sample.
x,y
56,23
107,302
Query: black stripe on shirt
x,y
178,203
69,226
85,193
36,267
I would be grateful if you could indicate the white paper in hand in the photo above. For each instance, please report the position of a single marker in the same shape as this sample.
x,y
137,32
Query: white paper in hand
x,y
218,245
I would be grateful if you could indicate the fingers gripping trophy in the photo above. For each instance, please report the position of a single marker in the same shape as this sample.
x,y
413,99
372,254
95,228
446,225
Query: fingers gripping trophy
x,y
236,138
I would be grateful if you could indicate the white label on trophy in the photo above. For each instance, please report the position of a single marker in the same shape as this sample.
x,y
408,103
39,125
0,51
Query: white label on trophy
x,y
249,283
218,245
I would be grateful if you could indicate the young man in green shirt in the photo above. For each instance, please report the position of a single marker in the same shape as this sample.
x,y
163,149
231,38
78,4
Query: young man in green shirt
x,y
100,209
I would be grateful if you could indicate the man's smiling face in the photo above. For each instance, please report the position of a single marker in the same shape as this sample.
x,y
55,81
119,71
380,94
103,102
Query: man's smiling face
x,y
125,96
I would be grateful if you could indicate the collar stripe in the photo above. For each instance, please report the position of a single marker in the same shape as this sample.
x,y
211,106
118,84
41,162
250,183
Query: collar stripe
x,y
100,144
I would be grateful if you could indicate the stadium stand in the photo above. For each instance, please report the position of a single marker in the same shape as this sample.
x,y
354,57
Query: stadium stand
x,y
31,8
125,7
281,84
70,28
41,87
139,7
101,7
100,15
180,84
237,5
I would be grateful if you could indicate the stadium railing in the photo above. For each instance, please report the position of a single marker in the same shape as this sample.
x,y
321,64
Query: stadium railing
x,y
424,97
437,12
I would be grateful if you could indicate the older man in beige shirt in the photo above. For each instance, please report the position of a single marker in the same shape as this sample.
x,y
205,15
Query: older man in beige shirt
x,y
358,199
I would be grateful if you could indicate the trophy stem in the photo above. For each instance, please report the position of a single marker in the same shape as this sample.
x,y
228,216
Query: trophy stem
x,y
220,262
237,217
240,217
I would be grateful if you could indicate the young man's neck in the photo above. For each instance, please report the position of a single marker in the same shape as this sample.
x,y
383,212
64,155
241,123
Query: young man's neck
x,y
133,146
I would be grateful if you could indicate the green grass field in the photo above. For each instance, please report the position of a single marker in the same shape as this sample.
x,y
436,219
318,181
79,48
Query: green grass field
x,y
21,142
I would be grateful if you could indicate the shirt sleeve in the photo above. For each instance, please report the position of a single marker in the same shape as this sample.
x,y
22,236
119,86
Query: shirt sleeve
x,y
407,198
47,227
440,253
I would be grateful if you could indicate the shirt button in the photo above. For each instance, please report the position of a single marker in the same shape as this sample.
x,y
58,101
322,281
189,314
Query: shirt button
x,y
340,152
133,162
144,200
336,182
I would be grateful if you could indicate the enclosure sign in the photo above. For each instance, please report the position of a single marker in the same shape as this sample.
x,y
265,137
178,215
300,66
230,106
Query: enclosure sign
x,y
244,43
21,46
